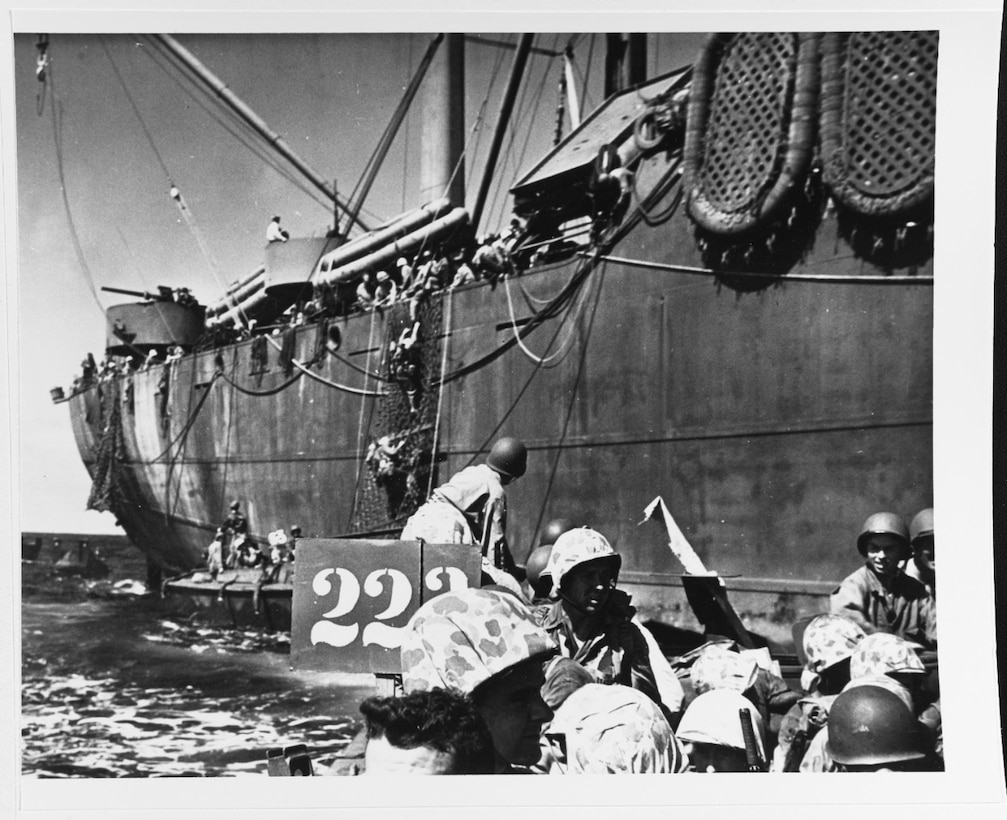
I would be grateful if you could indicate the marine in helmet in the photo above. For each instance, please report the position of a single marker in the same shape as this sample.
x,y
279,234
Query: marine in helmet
x,y
880,597
829,642
471,508
484,643
235,524
537,575
712,733
595,624
537,564
871,729
612,730
922,567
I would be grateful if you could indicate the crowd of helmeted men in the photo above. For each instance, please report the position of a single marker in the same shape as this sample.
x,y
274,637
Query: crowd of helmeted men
x,y
560,676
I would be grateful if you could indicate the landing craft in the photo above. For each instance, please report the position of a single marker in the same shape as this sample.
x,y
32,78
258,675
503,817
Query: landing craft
x,y
718,288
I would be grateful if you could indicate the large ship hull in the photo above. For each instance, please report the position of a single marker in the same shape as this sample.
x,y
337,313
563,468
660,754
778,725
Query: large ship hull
x,y
771,421
773,411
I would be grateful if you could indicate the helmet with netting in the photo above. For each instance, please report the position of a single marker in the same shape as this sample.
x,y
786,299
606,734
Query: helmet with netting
x,y
883,654
718,667
829,639
576,547
463,638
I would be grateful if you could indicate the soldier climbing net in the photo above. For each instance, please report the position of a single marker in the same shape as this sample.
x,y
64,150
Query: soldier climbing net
x,y
396,470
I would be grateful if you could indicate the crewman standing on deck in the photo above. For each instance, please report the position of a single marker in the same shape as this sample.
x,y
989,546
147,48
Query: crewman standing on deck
x,y
471,508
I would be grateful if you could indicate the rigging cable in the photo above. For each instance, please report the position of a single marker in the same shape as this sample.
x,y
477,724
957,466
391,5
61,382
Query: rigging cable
x,y
480,116
589,261
440,393
57,132
498,202
507,414
173,190
233,124
558,354
188,422
304,368
570,404
779,278
360,424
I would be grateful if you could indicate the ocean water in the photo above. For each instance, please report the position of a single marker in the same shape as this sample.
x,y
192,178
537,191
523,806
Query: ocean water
x,y
113,686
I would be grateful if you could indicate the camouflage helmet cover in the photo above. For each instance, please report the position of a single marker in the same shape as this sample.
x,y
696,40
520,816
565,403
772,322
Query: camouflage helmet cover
x,y
882,654
829,639
612,729
575,547
718,667
463,638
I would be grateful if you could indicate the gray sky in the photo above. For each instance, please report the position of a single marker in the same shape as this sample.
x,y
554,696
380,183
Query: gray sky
x,y
329,96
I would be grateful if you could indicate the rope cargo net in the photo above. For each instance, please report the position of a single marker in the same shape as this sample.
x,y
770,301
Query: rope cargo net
x,y
389,490
749,117
879,117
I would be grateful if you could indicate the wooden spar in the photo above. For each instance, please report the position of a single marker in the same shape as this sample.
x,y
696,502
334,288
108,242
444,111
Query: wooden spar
x,y
513,83
253,119
393,128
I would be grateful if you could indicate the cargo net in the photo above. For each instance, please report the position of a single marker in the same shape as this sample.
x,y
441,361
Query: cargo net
x,y
749,114
891,116
878,124
395,475
755,197
106,486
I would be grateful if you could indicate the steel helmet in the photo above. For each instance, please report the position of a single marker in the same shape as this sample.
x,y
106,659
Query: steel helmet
x,y
869,725
718,667
509,456
881,654
713,718
536,570
615,729
575,547
829,639
463,638
922,524
884,523
555,528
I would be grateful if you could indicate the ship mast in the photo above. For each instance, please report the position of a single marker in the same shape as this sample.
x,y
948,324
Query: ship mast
x,y
254,120
442,170
625,61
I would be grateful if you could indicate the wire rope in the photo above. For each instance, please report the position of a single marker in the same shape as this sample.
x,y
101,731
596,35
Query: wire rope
x,y
57,130
544,361
573,398
440,391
